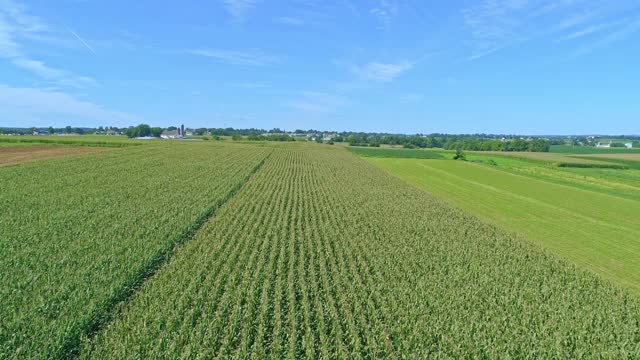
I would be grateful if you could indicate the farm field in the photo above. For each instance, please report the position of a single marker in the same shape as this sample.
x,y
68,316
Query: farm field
x,y
76,233
83,140
593,229
277,250
555,159
10,155
567,149
627,156
322,255
611,181
395,153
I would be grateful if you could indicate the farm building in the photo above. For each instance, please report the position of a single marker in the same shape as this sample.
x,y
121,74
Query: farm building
x,y
171,134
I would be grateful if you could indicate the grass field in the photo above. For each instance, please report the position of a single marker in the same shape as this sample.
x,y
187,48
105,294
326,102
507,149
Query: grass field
x,y
555,159
591,228
183,250
567,149
627,156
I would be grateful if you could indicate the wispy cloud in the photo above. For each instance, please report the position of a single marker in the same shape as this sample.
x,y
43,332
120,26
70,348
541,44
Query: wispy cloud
x,y
287,20
384,72
385,11
16,23
38,107
621,30
317,103
493,24
82,41
251,58
57,76
248,85
239,9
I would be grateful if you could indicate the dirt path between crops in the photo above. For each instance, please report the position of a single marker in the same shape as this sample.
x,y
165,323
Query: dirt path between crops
x,y
22,154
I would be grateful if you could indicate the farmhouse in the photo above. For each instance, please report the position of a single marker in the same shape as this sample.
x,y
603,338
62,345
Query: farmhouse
x,y
171,134
603,145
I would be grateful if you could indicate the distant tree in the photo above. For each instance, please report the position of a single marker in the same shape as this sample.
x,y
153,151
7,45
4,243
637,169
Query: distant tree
x,y
68,129
236,137
139,131
156,131
459,155
50,130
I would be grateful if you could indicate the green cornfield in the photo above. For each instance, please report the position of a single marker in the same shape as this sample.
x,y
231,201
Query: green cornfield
x,y
218,250
76,234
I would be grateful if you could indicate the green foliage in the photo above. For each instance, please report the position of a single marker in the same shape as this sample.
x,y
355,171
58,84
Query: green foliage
x,y
236,137
206,249
77,233
534,145
321,255
549,205
270,137
459,155
138,131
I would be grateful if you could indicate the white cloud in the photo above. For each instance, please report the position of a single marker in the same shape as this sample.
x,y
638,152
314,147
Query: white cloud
x,y
15,23
286,20
82,41
248,85
38,107
252,57
385,11
620,31
317,103
494,25
57,76
239,8
384,72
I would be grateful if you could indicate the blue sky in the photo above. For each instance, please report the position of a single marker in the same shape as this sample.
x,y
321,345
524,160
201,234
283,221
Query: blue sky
x,y
411,66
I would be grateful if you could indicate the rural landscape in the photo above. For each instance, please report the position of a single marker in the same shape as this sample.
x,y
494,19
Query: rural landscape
x,y
302,179
239,248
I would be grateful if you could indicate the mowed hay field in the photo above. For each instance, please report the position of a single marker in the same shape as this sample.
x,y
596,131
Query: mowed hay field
x,y
310,252
633,157
596,230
